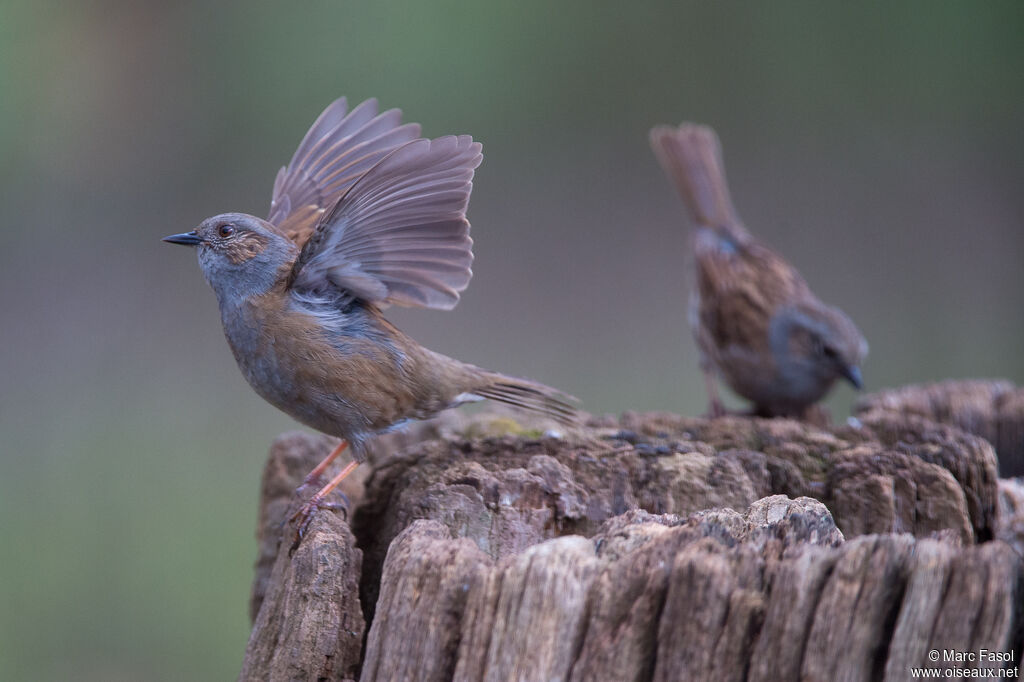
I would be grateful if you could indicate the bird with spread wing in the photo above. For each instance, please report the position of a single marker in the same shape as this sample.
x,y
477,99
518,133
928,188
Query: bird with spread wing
x,y
366,214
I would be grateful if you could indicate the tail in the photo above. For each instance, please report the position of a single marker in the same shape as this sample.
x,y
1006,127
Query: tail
x,y
692,158
530,396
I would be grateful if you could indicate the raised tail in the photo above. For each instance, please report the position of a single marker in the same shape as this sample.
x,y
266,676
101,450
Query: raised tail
x,y
530,396
692,158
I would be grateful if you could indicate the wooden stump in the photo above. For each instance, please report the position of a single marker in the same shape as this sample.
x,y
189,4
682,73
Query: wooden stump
x,y
656,548
992,409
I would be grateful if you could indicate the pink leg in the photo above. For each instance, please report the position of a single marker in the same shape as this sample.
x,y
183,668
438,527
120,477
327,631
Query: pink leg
x,y
305,513
715,408
318,471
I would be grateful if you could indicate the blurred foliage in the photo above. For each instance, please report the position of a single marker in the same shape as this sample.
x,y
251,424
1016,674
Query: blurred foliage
x,y
878,146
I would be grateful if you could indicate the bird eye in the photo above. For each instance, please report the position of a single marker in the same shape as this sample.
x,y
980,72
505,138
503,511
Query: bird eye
x,y
829,352
226,230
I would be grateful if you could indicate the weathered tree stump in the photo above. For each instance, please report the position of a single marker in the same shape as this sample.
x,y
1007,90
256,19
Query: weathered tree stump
x,y
656,548
992,409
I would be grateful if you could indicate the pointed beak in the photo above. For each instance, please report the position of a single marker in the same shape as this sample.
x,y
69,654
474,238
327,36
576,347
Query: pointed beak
x,y
186,238
852,374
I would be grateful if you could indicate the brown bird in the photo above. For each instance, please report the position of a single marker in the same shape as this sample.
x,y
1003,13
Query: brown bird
x,y
756,322
366,214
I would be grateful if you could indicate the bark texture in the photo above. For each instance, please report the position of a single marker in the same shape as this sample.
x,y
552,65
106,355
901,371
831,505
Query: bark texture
x,y
992,409
653,547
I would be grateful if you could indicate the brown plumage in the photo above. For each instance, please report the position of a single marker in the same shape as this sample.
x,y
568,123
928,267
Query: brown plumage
x,y
366,214
757,323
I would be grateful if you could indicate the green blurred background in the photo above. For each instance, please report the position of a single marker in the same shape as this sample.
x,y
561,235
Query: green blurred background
x,y
880,148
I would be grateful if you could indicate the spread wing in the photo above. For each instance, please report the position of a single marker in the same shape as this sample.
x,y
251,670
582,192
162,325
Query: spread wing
x,y
400,234
337,150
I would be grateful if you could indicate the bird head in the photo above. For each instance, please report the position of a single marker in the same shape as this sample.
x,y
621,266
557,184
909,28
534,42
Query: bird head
x,y
815,344
240,255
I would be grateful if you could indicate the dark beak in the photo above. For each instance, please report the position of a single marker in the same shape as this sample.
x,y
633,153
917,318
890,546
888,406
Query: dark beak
x,y
852,374
186,238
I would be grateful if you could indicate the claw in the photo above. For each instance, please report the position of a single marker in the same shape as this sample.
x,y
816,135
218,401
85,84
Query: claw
x,y
341,507
305,513
304,516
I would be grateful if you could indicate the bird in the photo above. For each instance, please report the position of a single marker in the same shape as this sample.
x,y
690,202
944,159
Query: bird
x,y
366,214
757,324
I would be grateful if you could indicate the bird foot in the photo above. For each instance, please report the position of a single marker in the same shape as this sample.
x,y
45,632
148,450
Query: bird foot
x,y
716,410
304,517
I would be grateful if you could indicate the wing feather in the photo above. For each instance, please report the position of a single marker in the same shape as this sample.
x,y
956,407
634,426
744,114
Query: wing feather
x,y
399,234
340,147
